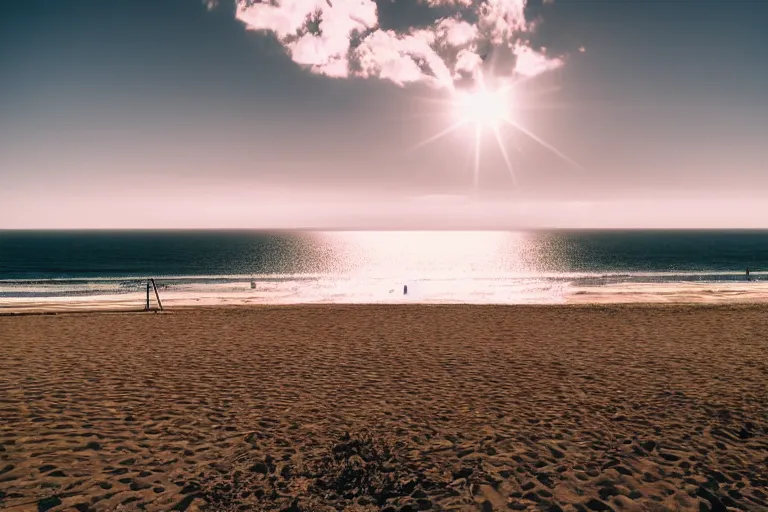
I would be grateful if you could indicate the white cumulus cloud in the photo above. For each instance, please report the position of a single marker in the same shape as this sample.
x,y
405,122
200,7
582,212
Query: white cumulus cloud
x,y
531,63
456,32
342,38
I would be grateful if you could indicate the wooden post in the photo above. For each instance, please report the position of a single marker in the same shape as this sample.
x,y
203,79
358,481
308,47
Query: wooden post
x,y
146,307
156,293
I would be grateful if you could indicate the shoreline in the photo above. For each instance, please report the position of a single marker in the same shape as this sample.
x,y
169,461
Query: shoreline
x,y
16,308
605,288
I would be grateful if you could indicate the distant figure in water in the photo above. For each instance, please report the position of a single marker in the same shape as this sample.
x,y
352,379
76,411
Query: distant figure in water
x,y
748,274
405,289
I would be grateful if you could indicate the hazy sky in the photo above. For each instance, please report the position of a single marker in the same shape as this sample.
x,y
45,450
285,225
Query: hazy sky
x,y
180,113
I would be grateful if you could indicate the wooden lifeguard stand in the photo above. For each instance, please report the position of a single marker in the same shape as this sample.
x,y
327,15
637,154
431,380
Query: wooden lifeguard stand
x,y
151,284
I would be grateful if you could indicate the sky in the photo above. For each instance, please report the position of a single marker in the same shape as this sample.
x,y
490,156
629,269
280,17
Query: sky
x,y
314,113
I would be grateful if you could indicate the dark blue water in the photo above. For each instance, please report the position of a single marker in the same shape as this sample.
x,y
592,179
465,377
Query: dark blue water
x,y
253,266
86,254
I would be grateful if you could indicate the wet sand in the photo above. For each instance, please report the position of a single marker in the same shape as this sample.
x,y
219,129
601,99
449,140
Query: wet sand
x,y
644,408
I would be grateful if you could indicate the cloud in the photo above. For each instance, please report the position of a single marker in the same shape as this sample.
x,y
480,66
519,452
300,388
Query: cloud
x,y
343,38
531,63
456,32
442,3
467,63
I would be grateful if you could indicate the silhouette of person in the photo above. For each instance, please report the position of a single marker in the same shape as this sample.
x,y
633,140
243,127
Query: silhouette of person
x,y
748,274
405,289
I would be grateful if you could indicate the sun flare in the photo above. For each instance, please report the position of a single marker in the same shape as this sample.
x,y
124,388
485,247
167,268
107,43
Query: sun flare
x,y
489,110
482,107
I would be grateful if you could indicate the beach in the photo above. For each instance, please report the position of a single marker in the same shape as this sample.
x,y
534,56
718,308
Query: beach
x,y
390,407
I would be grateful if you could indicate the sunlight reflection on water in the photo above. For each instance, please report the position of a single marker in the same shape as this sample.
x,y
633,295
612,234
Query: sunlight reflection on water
x,y
440,266
437,255
374,266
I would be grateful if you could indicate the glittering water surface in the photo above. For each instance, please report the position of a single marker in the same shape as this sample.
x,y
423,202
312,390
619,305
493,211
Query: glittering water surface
x,y
473,267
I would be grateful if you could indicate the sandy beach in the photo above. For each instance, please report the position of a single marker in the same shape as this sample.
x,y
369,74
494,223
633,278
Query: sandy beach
x,y
647,408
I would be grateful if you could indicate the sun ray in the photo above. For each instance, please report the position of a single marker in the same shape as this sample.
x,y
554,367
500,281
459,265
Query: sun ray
x,y
544,143
439,135
504,153
491,105
478,139
505,89
522,80
511,86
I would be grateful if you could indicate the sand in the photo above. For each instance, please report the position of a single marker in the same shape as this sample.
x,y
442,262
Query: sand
x,y
386,408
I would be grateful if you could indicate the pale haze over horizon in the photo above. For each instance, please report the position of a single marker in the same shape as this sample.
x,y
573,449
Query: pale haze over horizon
x,y
320,114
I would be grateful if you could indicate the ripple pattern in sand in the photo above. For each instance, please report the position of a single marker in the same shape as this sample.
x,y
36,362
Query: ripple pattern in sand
x,y
485,408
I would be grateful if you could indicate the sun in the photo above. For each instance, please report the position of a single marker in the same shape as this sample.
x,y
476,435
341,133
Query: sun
x,y
482,107
489,108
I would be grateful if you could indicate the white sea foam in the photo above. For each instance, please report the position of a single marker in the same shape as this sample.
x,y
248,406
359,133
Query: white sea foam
x,y
296,289
373,267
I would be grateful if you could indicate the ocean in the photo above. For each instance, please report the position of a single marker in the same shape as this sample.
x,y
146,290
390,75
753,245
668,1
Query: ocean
x,y
75,268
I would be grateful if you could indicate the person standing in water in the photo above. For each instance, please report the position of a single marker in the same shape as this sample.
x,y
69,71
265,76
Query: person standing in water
x,y
748,279
405,289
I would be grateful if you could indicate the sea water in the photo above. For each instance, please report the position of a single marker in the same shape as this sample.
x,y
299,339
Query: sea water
x,y
256,267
